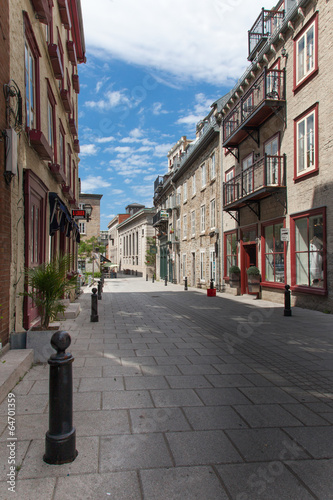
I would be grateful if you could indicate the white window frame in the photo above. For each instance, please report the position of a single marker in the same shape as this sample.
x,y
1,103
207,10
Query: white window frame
x,y
184,226
306,58
203,175
306,142
193,223
185,192
203,218
194,187
184,265
212,264
82,227
212,211
30,87
213,167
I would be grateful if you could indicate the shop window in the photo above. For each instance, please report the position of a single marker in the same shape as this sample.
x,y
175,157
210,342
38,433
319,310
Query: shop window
x,y
230,251
309,251
274,253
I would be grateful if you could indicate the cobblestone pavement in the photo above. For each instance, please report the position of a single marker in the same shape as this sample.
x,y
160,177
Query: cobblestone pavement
x,y
181,396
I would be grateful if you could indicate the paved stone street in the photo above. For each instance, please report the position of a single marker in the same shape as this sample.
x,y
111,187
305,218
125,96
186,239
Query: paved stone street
x,y
182,396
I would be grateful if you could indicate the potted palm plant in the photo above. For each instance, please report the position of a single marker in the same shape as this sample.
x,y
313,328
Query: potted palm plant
x,y
47,285
253,279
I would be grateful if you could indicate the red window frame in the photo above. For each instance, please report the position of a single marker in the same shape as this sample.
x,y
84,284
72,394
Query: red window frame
x,y
272,284
33,45
314,170
226,255
307,77
62,138
293,218
53,102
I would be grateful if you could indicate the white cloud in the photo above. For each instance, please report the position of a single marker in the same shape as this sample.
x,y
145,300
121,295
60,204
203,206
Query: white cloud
x,y
200,108
105,139
157,109
207,42
112,99
162,149
93,183
88,150
117,191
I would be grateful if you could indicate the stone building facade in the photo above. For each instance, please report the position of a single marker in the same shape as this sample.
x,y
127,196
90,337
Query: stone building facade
x,y
90,229
113,245
134,234
5,188
46,43
277,191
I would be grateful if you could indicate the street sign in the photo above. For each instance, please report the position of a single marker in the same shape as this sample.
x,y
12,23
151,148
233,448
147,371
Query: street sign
x,y
285,234
79,214
164,214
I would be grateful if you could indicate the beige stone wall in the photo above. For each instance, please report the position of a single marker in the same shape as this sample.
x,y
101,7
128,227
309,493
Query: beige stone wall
x,y
315,190
27,156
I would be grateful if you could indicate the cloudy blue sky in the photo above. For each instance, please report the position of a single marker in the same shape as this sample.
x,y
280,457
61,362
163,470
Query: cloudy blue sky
x,y
153,69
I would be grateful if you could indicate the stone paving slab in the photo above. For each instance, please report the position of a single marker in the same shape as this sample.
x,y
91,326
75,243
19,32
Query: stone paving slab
x,y
177,395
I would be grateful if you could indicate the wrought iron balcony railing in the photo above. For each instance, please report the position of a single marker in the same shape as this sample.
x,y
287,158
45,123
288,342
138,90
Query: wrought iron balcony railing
x,y
258,181
267,22
160,218
257,104
158,184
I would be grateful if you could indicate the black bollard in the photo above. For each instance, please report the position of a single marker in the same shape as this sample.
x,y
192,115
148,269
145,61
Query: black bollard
x,y
94,307
287,308
60,447
211,284
165,280
185,284
152,280
99,285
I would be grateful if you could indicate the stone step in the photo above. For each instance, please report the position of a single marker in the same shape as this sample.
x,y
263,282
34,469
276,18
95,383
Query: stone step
x,y
14,365
72,311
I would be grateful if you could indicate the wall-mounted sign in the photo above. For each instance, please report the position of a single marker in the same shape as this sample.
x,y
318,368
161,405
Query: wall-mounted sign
x,y
285,234
164,214
153,249
79,214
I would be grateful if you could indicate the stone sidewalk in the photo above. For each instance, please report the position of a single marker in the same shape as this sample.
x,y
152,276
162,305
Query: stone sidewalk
x,y
181,396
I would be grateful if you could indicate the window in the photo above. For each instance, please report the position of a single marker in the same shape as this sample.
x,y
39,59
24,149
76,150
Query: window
x,y
69,165
193,223
184,226
212,266
229,193
203,175
247,174
308,247
194,187
50,127
230,251
271,149
306,142
185,192
212,168
184,265
274,253
212,214
306,52
202,265
203,218
31,69
82,227
62,158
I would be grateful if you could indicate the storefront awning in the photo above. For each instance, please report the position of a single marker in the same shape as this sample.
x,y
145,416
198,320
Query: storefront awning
x,y
60,218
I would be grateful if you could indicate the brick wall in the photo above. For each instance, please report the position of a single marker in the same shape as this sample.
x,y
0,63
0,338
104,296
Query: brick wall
x,y
5,214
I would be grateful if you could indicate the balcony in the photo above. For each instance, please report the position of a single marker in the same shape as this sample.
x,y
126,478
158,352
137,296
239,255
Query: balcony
x,y
43,10
71,50
65,97
265,176
64,14
158,184
73,127
265,25
265,96
76,83
56,62
40,144
58,172
162,217
76,146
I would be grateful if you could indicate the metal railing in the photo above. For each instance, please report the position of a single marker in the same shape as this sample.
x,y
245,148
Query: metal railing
x,y
267,172
269,86
265,25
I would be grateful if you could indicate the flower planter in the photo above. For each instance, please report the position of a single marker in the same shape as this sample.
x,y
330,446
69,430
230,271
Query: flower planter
x,y
253,283
211,292
40,342
18,340
234,280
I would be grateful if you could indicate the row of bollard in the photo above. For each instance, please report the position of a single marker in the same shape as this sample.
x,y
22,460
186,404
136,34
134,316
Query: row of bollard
x,y
96,295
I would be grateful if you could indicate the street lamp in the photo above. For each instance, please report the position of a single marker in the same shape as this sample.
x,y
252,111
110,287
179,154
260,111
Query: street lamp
x,y
88,208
